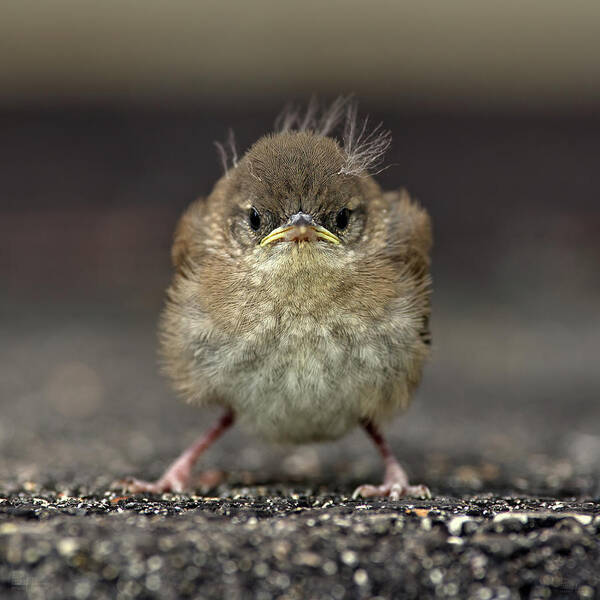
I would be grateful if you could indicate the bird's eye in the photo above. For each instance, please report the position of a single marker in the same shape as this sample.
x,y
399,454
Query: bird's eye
x,y
342,218
254,219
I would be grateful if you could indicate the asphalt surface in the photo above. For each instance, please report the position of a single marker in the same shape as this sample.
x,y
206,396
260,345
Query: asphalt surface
x,y
285,542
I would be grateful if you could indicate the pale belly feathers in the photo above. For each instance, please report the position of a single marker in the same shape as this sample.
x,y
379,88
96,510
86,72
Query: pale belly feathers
x,y
300,381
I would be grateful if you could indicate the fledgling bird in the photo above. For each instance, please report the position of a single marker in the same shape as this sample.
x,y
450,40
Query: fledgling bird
x,y
300,299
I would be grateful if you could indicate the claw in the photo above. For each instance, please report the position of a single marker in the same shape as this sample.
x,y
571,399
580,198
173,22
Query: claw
x,y
162,485
393,491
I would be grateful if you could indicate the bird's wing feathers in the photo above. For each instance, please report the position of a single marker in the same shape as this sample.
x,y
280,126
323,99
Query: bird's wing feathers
x,y
411,226
185,231
412,240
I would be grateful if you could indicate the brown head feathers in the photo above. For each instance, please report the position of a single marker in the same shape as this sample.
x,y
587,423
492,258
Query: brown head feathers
x,y
361,146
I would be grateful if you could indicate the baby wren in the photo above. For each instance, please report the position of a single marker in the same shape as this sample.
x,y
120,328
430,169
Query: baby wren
x,y
300,299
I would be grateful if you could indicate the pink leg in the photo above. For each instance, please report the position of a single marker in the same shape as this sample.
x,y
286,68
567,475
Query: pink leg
x,y
395,483
177,477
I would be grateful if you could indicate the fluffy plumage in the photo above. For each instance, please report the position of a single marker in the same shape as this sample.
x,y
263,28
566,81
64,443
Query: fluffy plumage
x,y
364,146
300,300
302,340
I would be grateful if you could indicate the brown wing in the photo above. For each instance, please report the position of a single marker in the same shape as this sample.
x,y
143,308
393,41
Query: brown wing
x,y
412,240
185,232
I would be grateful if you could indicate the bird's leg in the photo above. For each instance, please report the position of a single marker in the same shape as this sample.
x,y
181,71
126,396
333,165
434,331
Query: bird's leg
x,y
395,483
178,475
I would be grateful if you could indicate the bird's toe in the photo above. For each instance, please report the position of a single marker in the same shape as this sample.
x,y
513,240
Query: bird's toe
x,y
393,491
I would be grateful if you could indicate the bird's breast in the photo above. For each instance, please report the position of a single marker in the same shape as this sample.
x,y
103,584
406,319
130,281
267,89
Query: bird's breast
x,y
299,377
296,352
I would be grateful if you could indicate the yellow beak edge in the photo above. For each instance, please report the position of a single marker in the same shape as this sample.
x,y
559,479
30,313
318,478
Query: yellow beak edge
x,y
289,233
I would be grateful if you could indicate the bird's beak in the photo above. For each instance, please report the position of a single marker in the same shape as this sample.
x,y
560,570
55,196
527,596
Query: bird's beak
x,y
300,228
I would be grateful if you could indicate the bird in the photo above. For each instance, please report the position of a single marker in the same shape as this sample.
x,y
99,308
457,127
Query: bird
x,y
300,298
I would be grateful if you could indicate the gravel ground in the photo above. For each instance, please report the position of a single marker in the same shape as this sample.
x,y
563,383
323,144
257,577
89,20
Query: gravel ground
x,y
279,542
499,525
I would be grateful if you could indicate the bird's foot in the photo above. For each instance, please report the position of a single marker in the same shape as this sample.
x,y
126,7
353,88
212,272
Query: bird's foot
x,y
172,481
395,483
393,491
160,486
178,477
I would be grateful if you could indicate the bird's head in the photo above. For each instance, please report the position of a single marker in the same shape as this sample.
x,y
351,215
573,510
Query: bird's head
x,y
296,223
289,193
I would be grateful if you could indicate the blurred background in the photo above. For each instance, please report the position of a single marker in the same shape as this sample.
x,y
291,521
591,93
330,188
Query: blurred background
x,y
108,114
